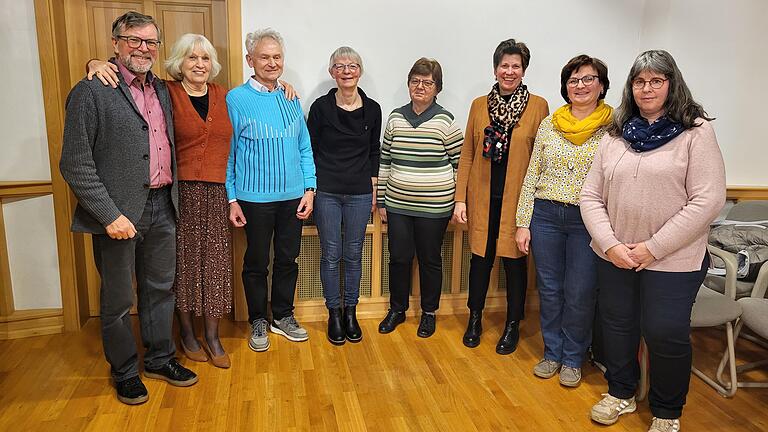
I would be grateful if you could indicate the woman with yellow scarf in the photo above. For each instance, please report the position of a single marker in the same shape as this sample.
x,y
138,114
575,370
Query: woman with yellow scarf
x,y
549,221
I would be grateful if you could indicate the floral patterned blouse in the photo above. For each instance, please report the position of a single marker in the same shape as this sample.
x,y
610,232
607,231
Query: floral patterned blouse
x,y
557,169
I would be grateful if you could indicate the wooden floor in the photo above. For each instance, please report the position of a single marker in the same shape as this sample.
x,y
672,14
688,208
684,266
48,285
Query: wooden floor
x,y
395,382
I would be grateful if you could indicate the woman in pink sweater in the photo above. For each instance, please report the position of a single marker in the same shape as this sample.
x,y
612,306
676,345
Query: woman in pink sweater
x,y
656,183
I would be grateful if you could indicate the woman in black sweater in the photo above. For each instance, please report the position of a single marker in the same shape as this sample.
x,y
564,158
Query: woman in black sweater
x,y
345,128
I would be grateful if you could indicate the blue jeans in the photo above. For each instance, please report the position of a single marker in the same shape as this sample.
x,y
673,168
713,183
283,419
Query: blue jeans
x,y
335,213
567,280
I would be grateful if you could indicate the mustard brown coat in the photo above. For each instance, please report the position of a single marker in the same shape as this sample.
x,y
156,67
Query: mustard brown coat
x,y
474,177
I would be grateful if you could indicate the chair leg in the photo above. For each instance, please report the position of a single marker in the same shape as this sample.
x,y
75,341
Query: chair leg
x,y
730,389
726,356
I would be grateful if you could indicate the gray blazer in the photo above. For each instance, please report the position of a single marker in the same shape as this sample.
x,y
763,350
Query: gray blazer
x,y
105,153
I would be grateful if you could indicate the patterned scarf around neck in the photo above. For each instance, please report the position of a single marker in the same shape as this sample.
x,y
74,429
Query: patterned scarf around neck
x,y
579,131
504,116
642,136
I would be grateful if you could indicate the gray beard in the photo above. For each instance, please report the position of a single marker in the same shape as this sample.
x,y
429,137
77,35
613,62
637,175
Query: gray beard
x,y
126,61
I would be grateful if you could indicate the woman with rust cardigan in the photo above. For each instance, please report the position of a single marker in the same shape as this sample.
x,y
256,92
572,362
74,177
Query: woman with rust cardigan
x,y
499,140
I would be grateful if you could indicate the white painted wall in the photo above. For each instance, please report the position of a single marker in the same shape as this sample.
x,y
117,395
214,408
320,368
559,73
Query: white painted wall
x,y
461,35
721,49
24,143
29,223
718,45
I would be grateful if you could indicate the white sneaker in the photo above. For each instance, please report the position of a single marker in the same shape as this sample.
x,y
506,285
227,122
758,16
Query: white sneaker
x,y
608,410
665,425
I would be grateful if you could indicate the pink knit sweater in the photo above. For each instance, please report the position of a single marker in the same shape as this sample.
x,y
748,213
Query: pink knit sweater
x,y
666,197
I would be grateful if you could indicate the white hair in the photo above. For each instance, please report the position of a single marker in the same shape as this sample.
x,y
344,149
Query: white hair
x,y
345,52
253,39
184,47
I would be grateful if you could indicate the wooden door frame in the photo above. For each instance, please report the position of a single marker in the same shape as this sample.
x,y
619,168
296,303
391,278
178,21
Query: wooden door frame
x,y
50,21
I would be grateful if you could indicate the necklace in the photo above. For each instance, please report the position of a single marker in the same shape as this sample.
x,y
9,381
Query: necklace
x,y
356,102
192,92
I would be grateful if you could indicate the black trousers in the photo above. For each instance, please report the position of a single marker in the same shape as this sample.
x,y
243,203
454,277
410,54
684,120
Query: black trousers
x,y
150,256
656,305
271,224
424,236
515,269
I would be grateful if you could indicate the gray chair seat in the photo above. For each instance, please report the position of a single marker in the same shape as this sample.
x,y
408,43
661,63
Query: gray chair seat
x,y
717,283
713,308
755,315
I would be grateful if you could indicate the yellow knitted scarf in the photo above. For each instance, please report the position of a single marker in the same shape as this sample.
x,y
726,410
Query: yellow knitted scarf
x,y
578,131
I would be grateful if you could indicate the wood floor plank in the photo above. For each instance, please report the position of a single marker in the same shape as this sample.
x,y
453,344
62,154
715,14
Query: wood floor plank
x,y
394,382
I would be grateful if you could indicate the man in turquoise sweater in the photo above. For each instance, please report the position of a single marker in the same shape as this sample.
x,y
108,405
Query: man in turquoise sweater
x,y
270,186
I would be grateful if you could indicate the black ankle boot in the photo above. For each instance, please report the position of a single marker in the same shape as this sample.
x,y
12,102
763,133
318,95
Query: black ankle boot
x,y
392,320
351,327
508,342
427,325
335,327
474,329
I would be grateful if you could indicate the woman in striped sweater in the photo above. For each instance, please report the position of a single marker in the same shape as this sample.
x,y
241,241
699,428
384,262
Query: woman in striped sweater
x,y
417,171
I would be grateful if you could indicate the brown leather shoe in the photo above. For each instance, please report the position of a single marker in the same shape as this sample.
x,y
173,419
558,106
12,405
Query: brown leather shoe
x,y
198,356
221,361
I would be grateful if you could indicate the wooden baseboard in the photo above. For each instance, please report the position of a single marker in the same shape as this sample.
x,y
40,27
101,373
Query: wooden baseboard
x,y
450,304
34,322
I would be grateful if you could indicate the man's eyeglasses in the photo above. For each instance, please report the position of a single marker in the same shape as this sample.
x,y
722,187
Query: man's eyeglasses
x,y
656,83
587,80
135,42
339,67
428,84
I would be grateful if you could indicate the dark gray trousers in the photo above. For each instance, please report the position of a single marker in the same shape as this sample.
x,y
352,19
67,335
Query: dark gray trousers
x,y
151,254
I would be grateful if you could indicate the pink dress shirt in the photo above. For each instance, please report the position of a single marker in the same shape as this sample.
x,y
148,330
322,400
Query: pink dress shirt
x,y
159,145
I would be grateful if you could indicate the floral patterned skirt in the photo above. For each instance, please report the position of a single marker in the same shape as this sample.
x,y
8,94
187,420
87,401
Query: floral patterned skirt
x,y
203,282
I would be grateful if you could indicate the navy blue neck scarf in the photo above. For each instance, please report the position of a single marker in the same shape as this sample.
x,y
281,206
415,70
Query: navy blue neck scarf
x,y
643,136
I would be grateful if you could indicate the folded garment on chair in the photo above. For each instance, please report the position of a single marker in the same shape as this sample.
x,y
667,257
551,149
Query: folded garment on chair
x,y
748,240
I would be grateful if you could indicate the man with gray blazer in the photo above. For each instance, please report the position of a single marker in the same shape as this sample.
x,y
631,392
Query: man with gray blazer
x,y
117,157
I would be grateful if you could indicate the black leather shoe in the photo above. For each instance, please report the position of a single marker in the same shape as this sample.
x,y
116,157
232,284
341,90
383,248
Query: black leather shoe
x,y
508,342
351,326
427,325
172,372
335,327
474,329
131,391
392,320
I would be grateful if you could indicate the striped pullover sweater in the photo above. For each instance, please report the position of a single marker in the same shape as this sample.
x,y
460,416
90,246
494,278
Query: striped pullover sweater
x,y
270,158
418,162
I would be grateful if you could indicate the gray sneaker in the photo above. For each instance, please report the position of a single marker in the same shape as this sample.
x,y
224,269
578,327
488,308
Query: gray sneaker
x,y
290,328
608,410
570,376
259,340
546,368
665,425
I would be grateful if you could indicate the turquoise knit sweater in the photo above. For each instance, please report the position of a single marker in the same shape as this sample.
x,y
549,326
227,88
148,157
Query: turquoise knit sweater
x,y
271,157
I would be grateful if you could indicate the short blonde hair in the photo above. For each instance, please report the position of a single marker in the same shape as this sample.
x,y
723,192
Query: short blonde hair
x,y
347,52
184,47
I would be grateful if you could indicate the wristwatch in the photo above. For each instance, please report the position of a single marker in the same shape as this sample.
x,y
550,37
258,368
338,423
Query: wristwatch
x,y
310,189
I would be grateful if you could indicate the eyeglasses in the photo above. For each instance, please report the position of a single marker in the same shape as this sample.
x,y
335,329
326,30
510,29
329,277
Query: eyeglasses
x,y
587,80
135,42
339,67
656,83
428,84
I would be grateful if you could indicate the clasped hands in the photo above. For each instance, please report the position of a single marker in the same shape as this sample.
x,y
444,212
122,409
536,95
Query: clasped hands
x,y
630,256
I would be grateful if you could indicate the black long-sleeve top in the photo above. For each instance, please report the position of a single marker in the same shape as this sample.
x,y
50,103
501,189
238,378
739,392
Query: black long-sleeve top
x,y
345,144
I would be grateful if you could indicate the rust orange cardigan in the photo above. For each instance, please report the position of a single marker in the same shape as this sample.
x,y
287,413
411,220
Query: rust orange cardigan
x,y
474,177
202,147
